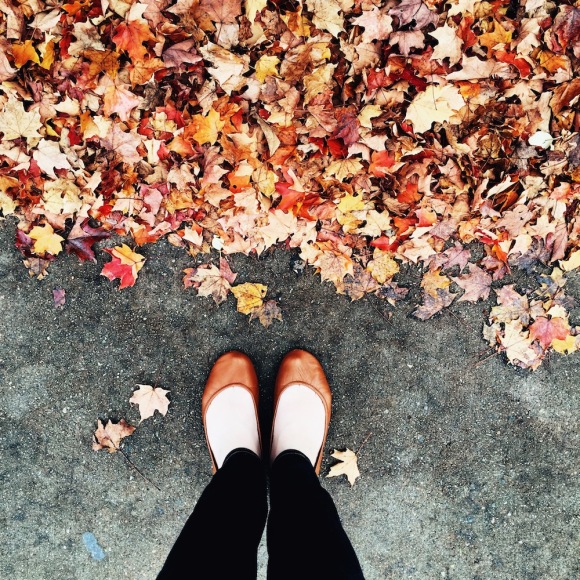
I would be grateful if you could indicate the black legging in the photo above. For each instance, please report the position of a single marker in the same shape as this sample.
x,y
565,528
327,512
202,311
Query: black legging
x,y
305,537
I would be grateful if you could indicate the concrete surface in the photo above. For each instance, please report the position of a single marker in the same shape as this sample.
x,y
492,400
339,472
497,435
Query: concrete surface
x,y
471,471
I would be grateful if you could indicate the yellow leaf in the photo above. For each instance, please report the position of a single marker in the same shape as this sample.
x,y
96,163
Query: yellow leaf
x,y
368,113
435,104
433,280
567,345
266,67
46,240
351,203
348,465
48,55
342,168
572,262
208,128
249,296
7,204
127,256
382,267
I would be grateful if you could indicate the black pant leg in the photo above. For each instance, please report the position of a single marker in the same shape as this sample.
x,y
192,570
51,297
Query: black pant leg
x,y
305,537
221,537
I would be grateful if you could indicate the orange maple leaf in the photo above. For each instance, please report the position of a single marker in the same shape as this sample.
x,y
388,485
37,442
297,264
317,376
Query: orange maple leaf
x,y
131,36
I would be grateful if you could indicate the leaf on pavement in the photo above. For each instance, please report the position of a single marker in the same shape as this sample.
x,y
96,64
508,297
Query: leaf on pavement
x,y
110,435
434,304
249,296
125,265
476,284
267,313
150,399
348,465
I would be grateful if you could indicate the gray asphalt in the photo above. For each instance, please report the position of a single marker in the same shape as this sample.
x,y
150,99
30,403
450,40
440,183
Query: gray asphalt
x,y
470,470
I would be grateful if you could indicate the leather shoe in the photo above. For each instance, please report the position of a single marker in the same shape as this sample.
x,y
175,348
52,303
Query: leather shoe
x,y
232,369
299,366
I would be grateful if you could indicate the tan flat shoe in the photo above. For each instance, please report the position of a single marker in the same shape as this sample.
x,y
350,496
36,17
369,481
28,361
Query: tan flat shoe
x,y
299,366
231,369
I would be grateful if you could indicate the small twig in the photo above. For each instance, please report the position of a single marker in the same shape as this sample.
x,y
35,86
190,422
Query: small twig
x,y
479,363
138,470
380,312
363,443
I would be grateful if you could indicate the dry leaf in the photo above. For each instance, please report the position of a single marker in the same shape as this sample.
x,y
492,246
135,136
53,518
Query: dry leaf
x,y
109,435
150,399
348,465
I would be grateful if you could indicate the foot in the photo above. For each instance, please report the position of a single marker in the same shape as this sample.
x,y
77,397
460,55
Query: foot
x,y
230,407
302,402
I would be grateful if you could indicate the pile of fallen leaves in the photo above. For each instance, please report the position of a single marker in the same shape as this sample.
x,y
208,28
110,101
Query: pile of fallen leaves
x,y
365,133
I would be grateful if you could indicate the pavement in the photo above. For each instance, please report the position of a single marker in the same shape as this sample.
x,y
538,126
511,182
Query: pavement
x,y
469,470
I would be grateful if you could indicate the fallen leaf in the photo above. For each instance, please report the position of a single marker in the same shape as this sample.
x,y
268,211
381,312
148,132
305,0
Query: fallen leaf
x,y
15,122
476,284
125,265
249,296
46,240
150,399
546,330
109,435
208,281
348,465
59,297
434,105
267,313
434,304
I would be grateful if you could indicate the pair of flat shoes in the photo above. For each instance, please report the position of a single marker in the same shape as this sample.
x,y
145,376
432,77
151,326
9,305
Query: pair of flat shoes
x,y
302,407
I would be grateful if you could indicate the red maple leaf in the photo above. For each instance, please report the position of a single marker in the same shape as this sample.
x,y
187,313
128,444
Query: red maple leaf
x,y
81,239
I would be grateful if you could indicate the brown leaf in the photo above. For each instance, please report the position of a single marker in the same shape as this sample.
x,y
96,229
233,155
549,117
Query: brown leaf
x,y
109,435
432,305
267,313
476,284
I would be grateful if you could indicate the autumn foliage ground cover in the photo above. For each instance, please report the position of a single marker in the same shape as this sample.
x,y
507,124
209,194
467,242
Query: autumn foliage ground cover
x,y
364,134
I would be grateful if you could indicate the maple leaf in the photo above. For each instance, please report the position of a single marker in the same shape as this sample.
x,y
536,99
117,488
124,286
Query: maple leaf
x,y
150,399
249,296
449,44
49,157
46,240
382,267
435,104
125,265
358,284
211,281
433,280
546,330
327,15
267,313
378,26
62,197
131,36
110,435
24,52
518,346
407,40
81,239
434,304
220,11
476,284
15,122
408,11
37,267
348,465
